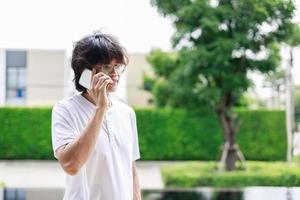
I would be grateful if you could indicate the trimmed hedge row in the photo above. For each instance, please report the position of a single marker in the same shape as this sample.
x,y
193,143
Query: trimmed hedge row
x,y
25,133
204,174
182,135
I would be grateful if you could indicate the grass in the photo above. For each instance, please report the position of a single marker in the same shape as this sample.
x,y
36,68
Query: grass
x,y
198,174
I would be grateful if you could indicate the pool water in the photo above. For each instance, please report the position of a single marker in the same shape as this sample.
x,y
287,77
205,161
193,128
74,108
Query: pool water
x,y
249,193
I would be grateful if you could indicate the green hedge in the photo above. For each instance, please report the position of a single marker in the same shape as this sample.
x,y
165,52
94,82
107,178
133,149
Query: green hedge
x,y
163,134
199,174
25,133
183,135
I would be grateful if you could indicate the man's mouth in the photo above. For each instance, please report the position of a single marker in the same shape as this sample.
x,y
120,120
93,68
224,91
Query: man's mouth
x,y
115,81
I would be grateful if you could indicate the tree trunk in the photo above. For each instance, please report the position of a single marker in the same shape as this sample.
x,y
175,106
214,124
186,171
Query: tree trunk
x,y
230,150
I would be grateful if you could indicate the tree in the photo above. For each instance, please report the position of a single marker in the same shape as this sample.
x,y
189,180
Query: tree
x,y
290,108
297,102
216,44
276,82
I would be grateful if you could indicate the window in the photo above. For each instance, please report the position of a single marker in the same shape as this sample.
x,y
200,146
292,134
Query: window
x,y
16,77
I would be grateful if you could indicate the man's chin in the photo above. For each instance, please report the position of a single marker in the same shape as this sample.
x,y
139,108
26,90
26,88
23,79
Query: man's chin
x,y
111,89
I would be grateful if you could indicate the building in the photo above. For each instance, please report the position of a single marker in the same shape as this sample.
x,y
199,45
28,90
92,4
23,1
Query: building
x,y
32,77
137,68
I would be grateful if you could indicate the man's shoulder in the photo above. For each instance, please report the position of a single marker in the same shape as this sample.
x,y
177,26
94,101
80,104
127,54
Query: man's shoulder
x,y
124,107
66,103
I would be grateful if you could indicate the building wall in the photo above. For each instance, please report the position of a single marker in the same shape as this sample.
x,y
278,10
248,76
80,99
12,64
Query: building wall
x,y
121,92
46,76
138,66
2,77
49,79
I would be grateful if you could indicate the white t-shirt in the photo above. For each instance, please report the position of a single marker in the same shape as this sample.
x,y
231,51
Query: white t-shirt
x,y
107,174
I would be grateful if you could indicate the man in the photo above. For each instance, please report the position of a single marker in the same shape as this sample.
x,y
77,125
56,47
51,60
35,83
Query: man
x,y
95,137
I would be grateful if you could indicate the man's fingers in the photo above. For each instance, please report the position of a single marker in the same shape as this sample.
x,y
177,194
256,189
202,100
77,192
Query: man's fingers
x,y
99,74
105,83
101,81
98,77
93,78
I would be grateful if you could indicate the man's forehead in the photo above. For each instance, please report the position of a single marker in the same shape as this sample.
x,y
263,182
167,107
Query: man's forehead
x,y
113,63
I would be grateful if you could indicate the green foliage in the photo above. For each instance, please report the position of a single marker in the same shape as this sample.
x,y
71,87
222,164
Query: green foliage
x,y
178,135
297,102
198,174
262,134
169,134
275,79
164,134
25,133
218,44
295,32
168,60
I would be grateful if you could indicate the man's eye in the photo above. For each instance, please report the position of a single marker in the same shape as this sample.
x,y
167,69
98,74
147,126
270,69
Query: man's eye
x,y
107,67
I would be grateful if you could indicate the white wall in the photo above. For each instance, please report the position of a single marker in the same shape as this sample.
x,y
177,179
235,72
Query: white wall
x,y
69,88
45,76
138,66
121,92
2,77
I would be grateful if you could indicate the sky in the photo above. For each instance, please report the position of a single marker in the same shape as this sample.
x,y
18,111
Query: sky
x,y
57,24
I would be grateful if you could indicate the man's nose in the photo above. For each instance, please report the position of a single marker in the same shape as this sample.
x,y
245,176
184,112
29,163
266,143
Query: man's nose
x,y
114,72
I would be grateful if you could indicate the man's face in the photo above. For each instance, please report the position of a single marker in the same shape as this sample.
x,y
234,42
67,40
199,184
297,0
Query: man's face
x,y
114,71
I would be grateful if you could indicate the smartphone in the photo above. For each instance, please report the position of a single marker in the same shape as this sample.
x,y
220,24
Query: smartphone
x,y
85,78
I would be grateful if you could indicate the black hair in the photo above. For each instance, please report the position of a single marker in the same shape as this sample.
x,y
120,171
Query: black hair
x,y
94,49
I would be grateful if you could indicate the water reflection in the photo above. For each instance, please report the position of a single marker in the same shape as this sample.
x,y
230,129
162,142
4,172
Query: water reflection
x,y
251,193
174,195
228,195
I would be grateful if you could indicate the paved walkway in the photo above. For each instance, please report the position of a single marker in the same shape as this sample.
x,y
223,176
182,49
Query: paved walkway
x,y
48,174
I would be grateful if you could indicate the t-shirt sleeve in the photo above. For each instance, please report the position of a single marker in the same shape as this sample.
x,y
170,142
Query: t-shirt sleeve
x,y
62,131
135,151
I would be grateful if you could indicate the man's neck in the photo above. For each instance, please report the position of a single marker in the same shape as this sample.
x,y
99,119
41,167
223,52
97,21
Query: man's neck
x,y
87,96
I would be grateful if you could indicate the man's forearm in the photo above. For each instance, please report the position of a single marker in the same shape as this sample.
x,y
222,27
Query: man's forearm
x,y
136,184
76,153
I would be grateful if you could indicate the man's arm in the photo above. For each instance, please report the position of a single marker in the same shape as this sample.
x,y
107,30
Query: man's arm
x,y
73,155
136,183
